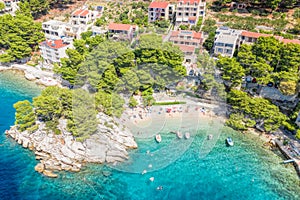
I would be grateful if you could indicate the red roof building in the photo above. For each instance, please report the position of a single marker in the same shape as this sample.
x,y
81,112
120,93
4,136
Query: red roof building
x,y
189,38
251,37
161,5
54,44
53,50
189,11
119,27
253,34
158,11
83,16
285,41
122,31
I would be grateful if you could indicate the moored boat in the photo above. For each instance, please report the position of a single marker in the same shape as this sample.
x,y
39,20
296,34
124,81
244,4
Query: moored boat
x,y
210,136
229,141
179,134
187,135
158,138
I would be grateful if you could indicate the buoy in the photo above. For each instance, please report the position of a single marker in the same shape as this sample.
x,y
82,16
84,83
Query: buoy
x,y
151,179
150,166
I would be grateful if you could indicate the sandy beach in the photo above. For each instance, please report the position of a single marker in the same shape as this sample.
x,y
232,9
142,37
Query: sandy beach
x,y
152,120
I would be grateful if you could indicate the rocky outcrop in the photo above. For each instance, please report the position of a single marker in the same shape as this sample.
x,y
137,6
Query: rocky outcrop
x,y
63,152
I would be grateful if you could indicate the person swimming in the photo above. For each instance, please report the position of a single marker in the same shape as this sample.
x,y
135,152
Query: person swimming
x,y
159,188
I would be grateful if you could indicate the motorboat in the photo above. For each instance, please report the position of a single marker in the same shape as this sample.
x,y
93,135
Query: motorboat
x,y
210,136
179,134
229,141
158,138
187,135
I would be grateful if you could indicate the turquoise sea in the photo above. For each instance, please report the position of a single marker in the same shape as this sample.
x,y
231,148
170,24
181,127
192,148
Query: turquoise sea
x,y
245,171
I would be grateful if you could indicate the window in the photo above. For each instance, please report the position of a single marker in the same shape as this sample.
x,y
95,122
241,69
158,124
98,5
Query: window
x,y
229,45
219,50
186,14
219,44
179,14
228,51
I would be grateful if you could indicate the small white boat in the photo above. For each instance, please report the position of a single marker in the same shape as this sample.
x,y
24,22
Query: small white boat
x,y
179,134
187,135
158,138
210,136
151,179
229,141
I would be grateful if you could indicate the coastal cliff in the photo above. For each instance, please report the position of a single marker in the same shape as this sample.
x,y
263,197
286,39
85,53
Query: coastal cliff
x,y
62,152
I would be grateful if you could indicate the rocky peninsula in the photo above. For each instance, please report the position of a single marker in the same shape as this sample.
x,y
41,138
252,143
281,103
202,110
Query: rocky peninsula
x,y
62,152
34,74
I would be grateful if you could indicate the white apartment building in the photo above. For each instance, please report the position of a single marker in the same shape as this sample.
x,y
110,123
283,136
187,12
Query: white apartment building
x,y
158,11
226,41
54,29
53,50
189,11
83,16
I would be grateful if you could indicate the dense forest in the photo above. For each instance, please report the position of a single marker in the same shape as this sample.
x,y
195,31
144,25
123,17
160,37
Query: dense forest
x,y
110,72
269,62
19,36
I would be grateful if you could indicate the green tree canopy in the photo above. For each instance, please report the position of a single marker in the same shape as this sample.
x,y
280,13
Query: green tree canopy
x,y
232,70
25,117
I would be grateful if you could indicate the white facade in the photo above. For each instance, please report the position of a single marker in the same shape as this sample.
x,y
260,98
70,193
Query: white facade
x,y
158,11
189,11
83,17
226,41
53,50
55,30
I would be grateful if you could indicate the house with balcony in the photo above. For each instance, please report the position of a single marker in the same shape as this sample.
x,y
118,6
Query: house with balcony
x,y
188,42
54,29
158,11
122,31
248,37
189,11
226,41
83,16
53,50
98,30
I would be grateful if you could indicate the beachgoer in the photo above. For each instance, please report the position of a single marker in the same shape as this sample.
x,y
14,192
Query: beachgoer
x,y
159,187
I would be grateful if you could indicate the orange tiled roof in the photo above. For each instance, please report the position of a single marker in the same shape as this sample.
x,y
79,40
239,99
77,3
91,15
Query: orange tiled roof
x,y
54,44
156,4
196,35
186,48
81,12
285,41
84,13
254,34
119,27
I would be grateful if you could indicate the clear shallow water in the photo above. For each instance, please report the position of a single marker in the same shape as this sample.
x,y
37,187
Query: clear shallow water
x,y
245,171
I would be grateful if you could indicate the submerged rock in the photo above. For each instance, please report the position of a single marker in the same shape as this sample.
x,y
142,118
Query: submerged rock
x,y
39,167
49,174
